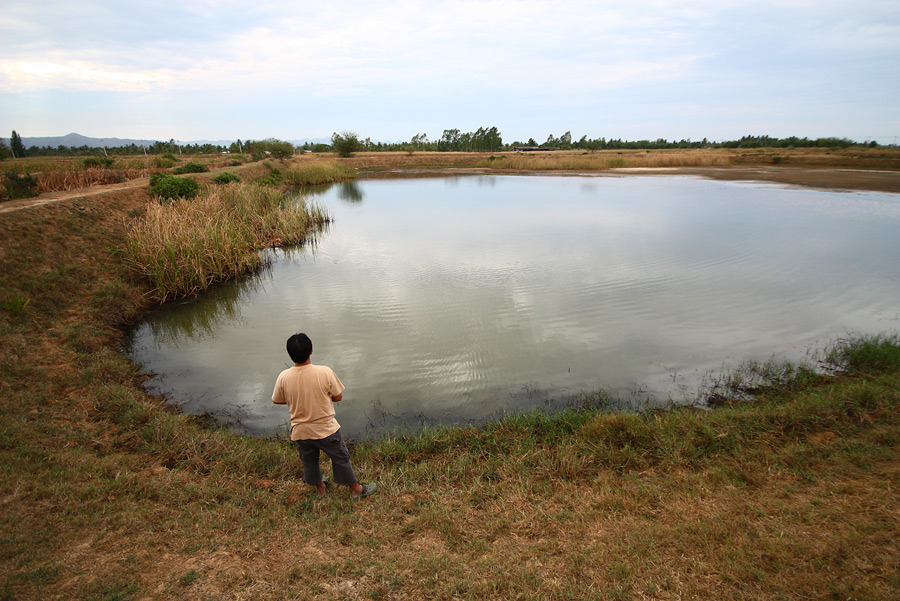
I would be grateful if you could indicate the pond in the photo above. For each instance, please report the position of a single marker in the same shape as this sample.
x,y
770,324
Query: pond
x,y
443,300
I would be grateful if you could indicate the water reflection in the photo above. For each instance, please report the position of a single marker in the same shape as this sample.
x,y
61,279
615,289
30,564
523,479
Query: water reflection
x,y
455,299
350,191
212,312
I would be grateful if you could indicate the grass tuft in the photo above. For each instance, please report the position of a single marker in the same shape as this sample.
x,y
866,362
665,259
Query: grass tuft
x,y
866,353
15,303
186,246
317,173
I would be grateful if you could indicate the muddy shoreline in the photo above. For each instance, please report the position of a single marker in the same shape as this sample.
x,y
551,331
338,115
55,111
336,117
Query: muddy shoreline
x,y
833,179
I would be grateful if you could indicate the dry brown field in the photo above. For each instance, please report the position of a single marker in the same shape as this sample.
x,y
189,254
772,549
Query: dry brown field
x,y
109,494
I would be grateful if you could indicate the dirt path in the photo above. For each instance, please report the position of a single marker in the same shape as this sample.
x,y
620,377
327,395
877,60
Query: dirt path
x,y
839,179
143,182
50,197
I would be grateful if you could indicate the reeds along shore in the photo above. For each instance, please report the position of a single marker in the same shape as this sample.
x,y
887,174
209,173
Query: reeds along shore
x,y
315,174
185,246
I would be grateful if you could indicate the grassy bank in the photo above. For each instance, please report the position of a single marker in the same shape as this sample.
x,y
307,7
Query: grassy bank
x,y
106,494
185,246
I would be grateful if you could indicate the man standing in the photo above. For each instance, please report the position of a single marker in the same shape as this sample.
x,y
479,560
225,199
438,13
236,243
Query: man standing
x,y
310,392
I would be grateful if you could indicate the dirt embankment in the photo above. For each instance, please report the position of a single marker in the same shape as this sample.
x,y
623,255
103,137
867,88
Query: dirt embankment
x,y
836,179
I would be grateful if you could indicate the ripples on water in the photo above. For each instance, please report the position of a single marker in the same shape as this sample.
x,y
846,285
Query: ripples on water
x,y
453,299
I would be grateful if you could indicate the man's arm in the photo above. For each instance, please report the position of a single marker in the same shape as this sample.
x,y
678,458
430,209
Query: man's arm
x,y
337,398
277,395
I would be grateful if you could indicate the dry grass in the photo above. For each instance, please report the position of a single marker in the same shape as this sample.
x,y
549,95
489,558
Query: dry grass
x,y
186,246
583,161
58,181
57,174
69,173
105,494
317,173
579,160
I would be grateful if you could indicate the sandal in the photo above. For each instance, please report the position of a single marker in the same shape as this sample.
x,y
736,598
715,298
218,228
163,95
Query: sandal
x,y
368,489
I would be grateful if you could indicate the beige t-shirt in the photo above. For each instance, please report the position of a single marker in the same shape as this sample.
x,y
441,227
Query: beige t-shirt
x,y
307,391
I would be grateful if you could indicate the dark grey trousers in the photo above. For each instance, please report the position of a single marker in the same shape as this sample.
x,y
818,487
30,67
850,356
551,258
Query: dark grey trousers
x,y
334,447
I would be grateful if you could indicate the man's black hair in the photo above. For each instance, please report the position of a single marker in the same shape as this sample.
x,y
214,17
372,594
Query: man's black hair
x,y
299,347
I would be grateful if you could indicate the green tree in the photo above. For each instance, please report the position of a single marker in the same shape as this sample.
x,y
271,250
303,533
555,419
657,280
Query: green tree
x,y
417,142
280,149
449,140
15,144
345,143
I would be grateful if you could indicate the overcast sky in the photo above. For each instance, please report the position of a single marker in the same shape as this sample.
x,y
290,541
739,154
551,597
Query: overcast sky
x,y
629,69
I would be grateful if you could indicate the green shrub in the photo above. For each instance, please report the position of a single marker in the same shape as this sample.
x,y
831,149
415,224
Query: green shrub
x,y
234,163
191,167
275,176
169,186
226,178
163,162
101,162
866,353
345,143
16,303
20,185
170,156
270,147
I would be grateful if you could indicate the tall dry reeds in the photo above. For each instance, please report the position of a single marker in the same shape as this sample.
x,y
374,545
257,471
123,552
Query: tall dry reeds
x,y
186,246
58,181
313,174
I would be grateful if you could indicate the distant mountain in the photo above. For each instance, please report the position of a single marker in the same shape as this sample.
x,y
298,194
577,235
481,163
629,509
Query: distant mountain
x,y
77,140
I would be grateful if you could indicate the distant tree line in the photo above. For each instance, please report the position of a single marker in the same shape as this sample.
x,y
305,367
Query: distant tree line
x,y
484,139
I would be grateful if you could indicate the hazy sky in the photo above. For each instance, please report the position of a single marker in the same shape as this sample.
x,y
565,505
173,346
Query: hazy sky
x,y
633,69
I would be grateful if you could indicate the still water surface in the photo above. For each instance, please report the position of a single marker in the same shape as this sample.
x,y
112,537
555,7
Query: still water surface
x,y
454,299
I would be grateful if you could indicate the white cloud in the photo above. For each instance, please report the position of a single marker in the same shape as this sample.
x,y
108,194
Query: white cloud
x,y
32,75
533,61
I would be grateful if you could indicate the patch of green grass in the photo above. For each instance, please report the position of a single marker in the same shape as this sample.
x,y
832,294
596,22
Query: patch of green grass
x,y
20,185
188,578
117,591
163,162
101,162
226,178
15,303
190,167
866,353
